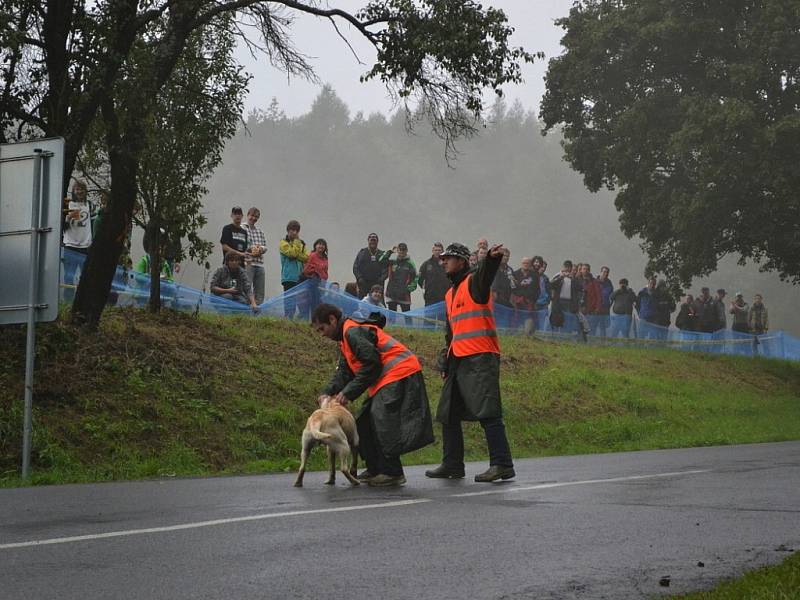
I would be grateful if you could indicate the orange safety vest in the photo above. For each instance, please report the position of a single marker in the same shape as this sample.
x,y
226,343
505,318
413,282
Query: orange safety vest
x,y
471,323
397,360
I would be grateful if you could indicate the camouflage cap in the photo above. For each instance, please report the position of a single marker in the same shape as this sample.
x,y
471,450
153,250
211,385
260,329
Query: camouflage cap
x,y
456,250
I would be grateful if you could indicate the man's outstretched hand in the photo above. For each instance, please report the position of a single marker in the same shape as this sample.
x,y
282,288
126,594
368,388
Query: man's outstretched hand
x,y
496,250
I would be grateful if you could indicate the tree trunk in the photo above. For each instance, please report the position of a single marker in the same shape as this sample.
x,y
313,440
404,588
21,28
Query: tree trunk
x,y
154,305
101,263
125,145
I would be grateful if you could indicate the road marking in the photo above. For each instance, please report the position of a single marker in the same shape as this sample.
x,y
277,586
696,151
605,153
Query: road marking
x,y
500,490
544,486
130,532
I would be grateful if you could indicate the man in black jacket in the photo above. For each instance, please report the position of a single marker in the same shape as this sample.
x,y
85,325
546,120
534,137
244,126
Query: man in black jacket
x,y
371,266
566,290
566,294
432,277
503,283
706,315
470,366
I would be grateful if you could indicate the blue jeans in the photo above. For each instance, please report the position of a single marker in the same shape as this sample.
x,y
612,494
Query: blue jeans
x,y
620,325
290,301
257,280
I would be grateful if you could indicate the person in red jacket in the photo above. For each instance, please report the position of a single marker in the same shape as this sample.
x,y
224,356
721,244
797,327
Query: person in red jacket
x,y
316,269
317,263
591,303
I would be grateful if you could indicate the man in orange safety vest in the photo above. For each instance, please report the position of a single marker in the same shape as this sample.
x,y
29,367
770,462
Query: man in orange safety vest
x,y
396,417
470,366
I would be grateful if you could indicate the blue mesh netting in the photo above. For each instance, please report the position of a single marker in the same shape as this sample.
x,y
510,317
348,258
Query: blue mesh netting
x,y
133,289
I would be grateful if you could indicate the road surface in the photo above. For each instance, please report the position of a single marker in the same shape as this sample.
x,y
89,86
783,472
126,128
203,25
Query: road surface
x,y
600,526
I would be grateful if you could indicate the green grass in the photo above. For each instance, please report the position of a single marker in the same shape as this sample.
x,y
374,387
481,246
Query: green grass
x,y
153,396
781,582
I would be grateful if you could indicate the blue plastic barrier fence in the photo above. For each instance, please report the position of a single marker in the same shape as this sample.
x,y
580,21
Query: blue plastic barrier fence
x,y
133,289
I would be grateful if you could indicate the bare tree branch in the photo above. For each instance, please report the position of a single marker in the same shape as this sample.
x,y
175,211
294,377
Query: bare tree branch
x,y
33,42
224,7
26,118
345,40
153,14
336,12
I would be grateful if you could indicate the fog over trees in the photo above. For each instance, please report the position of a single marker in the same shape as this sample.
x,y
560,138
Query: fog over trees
x,y
343,176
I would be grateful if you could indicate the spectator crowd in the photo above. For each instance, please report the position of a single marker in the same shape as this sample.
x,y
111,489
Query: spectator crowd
x,y
387,278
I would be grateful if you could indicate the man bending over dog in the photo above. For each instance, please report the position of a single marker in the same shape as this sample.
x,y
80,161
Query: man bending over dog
x,y
396,417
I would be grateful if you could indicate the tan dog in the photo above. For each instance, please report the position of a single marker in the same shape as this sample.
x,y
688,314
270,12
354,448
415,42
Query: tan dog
x,y
333,426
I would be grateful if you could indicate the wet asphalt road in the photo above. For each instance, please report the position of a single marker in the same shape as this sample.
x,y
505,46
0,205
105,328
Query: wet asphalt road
x,y
602,526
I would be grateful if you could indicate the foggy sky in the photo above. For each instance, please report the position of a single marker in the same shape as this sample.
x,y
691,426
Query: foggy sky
x,y
533,21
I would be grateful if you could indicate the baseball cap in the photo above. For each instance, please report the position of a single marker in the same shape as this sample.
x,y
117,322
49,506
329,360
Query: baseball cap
x,y
456,250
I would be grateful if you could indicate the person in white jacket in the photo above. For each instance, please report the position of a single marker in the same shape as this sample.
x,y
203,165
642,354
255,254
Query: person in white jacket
x,y
77,220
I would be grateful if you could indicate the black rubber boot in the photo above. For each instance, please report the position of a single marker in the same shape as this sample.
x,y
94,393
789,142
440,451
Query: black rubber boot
x,y
494,473
443,472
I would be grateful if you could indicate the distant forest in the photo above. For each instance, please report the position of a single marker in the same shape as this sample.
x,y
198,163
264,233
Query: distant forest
x,y
343,176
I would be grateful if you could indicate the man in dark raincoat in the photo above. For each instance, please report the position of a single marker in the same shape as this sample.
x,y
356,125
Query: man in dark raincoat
x,y
396,417
471,367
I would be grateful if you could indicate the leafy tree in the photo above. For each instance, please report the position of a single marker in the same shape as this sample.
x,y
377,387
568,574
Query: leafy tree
x,y
273,114
691,111
62,60
197,110
329,114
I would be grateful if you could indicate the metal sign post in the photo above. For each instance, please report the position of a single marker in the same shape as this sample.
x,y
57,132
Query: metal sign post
x,y
30,344
35,168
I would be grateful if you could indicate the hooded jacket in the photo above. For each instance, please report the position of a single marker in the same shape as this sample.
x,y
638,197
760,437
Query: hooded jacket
x,y
402,280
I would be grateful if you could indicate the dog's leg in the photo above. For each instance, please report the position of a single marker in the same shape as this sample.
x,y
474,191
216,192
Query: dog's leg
x,y
354,460
354,454
331,466
344,455
306,446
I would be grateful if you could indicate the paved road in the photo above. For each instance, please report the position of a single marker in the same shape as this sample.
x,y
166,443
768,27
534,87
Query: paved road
x,y
602,526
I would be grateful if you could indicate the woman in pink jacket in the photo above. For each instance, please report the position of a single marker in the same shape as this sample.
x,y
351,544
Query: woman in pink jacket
x,y
316,268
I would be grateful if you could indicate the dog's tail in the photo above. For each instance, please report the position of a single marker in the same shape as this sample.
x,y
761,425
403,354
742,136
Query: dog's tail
x,y
320,435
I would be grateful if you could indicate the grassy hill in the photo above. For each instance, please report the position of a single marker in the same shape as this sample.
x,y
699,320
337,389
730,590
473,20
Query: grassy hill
x,y
166,395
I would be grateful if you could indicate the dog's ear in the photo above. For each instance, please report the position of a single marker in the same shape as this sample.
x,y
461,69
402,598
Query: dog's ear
x,y
323,400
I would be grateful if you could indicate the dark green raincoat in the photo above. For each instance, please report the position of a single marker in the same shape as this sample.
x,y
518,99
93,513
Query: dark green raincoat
x,y
472,383
399,411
